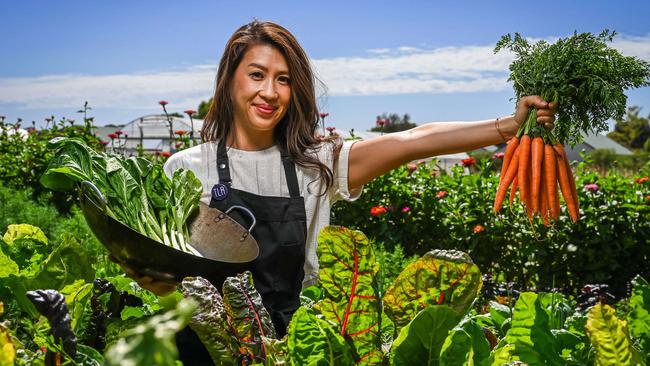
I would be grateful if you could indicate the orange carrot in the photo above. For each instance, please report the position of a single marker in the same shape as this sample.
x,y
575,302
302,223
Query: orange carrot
x,y
564,172
522,172
510,151
506,180
537,156
550,180
513,190
529,179
544,205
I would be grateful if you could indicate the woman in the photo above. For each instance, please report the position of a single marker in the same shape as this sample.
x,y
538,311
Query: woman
x,y
262,152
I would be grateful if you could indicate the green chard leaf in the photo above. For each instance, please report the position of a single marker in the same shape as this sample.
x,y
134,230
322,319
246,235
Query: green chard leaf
x,y
210,321
313,341
249,319
530,333
610,337
347,272
151,343
420,341
440,277
72,163
465,345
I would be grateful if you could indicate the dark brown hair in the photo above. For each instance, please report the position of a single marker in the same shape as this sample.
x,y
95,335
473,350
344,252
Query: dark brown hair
x,y
295,133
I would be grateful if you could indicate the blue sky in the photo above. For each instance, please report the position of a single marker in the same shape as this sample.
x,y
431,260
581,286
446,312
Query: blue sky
x,y
429,59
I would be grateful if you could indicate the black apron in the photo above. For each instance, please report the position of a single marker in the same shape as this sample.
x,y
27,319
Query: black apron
x,y
281,233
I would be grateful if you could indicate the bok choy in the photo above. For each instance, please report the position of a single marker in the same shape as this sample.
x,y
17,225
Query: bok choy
x,y
137,191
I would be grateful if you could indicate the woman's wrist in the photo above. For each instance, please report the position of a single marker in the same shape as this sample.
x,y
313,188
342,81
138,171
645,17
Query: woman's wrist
x,y
506,127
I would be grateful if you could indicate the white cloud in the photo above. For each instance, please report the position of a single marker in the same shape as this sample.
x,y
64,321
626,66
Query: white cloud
x,y
386,71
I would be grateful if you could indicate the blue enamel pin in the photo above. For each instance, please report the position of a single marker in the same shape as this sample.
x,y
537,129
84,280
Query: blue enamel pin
x,y
219,191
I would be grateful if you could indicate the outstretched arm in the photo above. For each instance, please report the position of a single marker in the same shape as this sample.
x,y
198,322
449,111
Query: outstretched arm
x,y
373,157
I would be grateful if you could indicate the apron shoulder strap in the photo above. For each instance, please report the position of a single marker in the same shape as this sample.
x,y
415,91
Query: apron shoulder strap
x,y
290,173
222,163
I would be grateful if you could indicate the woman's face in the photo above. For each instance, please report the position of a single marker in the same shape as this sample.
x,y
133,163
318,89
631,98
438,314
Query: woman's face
x,y
260,90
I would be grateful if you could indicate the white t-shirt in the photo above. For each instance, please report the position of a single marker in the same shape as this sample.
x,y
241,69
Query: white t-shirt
x,y
262,173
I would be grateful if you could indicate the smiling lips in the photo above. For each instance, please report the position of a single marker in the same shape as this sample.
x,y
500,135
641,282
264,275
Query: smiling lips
x,y
265,109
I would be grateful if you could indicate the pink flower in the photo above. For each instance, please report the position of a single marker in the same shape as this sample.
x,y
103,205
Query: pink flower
x,y
190,112
468,162
478,229
330,129
377,210
591,187
498,155
382,122
180,132
441,194
112,136
163,103
642,180
411,167
406,209
323,115
103,143
119,133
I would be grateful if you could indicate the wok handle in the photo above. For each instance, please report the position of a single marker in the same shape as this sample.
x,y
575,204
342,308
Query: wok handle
x,y
245,210
86,185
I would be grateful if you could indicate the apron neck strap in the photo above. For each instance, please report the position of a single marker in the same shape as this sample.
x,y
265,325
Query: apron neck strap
x,y
223,169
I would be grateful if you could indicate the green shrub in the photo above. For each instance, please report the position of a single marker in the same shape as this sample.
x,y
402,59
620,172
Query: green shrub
x,y
424,210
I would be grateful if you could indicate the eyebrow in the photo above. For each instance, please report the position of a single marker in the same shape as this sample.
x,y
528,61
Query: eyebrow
x,y
253,64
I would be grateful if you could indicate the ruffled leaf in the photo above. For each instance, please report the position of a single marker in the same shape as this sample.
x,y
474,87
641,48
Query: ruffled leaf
x,y
465,345
348,270
313,341
250,321
610,337
440,277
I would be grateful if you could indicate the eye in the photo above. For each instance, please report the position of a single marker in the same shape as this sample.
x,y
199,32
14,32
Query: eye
x,y
284,80
256,75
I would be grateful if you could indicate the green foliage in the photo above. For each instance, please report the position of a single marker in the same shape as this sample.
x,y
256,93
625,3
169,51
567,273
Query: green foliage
x,y
452,211
632,131
313,341
151,343
582,73
203,109
420,341
24,158
395,123
439,277
611,338
347,274
137,191
465,345
639,315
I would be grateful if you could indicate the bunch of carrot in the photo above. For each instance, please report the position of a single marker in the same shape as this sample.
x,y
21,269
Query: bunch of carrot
x,y
534,165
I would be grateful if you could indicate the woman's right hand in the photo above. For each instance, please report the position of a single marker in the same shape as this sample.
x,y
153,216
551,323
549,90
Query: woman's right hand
x,y
157,286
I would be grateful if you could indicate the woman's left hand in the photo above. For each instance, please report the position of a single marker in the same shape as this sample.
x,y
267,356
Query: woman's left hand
x,y
545,111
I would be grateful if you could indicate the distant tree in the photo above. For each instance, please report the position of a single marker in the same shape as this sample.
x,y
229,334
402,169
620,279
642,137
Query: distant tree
x,y
202,111
633,131
393,123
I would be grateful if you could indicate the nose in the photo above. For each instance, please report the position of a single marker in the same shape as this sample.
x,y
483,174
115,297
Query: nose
x,y
268,89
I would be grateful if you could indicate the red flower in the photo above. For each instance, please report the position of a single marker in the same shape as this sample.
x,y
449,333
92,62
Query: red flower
x,y
103,143
112,136
179,145
330,129
441,194
190,112
166,154
377,210
180,132
642,180
648,198
468,162
498,155
163,103
323,115
119,133
406,209
382,122
478,229
591,187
